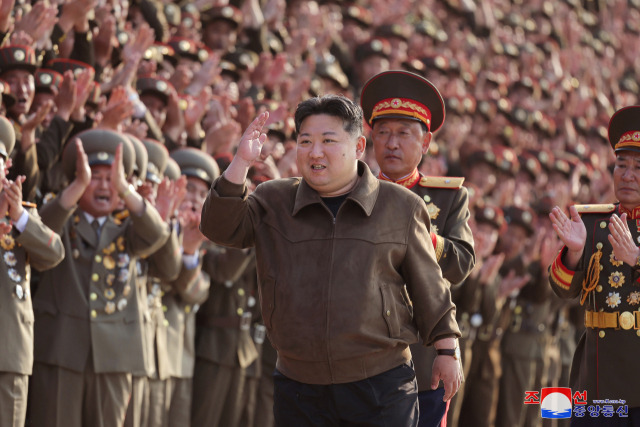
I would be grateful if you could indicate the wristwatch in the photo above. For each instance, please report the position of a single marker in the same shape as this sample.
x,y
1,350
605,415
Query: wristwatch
x,y
454,352
637,265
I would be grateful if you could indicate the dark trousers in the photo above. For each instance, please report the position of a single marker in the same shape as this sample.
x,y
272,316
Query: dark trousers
x,y
633,420
389,399
432,407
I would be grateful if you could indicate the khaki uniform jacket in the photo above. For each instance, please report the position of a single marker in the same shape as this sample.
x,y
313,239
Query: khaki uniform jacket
x,y
38,247
224,320
180,303
332,290
447,202
604,359
89,304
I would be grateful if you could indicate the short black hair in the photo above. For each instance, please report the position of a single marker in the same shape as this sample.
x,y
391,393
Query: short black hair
x,y
332,105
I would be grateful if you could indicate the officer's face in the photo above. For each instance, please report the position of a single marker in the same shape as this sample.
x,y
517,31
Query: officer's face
x,y
99,198
157,108
327,155
485,237
399,145
219,35
197,191
40,99
626,179
23,88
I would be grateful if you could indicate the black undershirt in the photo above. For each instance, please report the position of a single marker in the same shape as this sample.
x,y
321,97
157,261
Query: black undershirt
x,y
334,203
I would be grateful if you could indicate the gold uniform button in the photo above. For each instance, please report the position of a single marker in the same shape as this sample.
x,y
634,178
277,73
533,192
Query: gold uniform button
x,y
93,296
165,308
239,311
601,334
95,277
427,199
187,309
94,314
166,322
603,224
388,313
517,310
241,292
599,288
599,245
98,258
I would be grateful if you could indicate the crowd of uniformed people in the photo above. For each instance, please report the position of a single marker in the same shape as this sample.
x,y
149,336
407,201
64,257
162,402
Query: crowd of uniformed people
x,y
119,115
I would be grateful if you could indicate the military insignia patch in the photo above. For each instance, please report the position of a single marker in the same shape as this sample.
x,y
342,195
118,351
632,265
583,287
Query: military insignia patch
x,y
616,279
613,300
10,259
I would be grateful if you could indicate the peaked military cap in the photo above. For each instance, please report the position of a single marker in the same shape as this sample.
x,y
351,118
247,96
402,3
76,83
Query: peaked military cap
x,y
404,95
190,49
330,69
624,129
17,57
227,13
100,146
157,155
196,163
490,214
7,137
375,47
142,158
172,171
63,64
155,86
46,80
520,216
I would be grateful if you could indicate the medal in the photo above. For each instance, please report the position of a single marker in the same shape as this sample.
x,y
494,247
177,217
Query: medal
x,y
110,308
126,290
109,249
634,298
123,275
614,260
616,279
433,210
13,275
613,300
19,292
10,259
123,260
110,278
120,243
109,293
122,304
6,242
109,262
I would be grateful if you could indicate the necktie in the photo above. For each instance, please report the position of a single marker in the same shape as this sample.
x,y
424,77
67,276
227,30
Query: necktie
x,y
96,226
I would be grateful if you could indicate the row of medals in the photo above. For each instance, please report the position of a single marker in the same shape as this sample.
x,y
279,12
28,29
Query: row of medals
x,y
8,243
110,263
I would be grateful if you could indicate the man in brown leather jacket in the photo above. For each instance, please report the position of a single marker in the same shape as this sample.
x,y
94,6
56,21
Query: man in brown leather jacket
x,y
334,251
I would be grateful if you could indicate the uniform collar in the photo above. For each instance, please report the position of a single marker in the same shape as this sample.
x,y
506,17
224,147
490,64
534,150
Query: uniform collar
x,y
408,181
634,214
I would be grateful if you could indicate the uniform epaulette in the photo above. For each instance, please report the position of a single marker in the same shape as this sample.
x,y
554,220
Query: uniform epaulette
x,y
441,181
602,208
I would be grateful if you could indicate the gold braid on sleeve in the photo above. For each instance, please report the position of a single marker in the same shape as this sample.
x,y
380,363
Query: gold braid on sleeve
x,y
592,277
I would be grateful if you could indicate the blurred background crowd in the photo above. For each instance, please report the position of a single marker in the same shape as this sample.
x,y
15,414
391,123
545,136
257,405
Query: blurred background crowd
x,y
529,88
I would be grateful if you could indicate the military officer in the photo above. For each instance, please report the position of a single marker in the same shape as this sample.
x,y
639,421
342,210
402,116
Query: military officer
x,y
599,264
404,110
25,242
88,333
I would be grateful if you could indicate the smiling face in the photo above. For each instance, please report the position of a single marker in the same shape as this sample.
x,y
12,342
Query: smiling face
x,y
99,198
327,155
626,179
195,196
399,145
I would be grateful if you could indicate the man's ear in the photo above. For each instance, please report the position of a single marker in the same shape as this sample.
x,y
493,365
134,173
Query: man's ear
x,y
361,145
426,142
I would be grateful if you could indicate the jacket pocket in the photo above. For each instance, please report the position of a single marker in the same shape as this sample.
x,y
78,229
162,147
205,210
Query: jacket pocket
x,y
390,311
268,290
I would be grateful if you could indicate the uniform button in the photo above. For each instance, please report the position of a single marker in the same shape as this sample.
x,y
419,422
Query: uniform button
x,y
95,277
603,224
601,267
94,314
93,296
166,322
599,245
601,334
187,309
98,258
239,311
427,199
599,288
517,310
388,313
241,292
165,308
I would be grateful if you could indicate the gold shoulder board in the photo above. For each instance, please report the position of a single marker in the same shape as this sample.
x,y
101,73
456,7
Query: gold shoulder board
x,y
602,208
441,181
